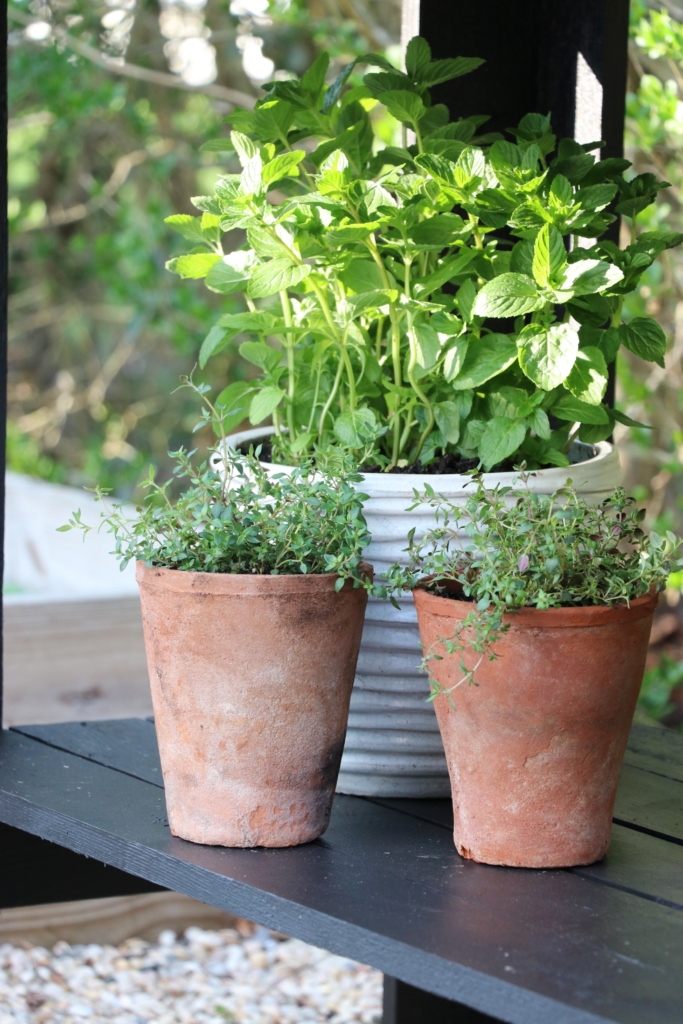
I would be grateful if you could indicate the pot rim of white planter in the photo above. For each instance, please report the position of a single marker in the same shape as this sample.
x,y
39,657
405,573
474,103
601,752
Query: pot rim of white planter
x,y
601,455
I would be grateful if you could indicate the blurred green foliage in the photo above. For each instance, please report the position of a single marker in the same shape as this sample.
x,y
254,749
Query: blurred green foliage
x,y
654,142
99,331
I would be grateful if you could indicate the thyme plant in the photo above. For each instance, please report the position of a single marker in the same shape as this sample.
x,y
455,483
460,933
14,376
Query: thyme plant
x,y
507,549
244,521
453,295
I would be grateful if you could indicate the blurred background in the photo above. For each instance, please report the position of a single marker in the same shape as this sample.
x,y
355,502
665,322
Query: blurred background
x,y
109,105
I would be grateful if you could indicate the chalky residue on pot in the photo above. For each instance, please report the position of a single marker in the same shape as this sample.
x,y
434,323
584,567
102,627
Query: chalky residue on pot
x,y
534,750
251,679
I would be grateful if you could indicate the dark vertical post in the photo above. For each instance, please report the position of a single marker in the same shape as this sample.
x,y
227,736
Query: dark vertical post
x,y
3,300
566,57
405,1004
533,52
563,57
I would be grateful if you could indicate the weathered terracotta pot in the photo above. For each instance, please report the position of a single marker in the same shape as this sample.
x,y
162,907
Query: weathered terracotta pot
x,y
251,680
534,750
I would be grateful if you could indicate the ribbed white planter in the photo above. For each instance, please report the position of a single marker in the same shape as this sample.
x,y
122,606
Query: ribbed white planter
x,y
393,746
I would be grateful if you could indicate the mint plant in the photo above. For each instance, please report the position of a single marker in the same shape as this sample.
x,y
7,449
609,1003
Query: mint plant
x,y
432,298
507,549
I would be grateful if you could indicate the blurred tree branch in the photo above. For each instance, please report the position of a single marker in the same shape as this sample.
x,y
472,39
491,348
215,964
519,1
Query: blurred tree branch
x,y
219,92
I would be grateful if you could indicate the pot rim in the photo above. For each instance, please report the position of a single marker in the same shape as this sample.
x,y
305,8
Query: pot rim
x,y
536,618
188,581
603,450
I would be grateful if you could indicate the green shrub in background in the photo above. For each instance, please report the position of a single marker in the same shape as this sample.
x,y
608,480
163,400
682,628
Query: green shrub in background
x,y
98,334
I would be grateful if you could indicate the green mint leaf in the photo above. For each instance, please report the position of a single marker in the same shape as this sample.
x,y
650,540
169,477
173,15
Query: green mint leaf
x,y
355,429
508,295
406,107
194,266
447,416
313,80
550,256
275,276
231,273
244,147
588,377
485,358
547,355
574,410
216,340
264,403
444,70
645,338
588,276
418,57
500,439
283,166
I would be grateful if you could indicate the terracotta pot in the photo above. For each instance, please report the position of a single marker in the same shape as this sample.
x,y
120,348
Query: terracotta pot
x,y
251,680
534,750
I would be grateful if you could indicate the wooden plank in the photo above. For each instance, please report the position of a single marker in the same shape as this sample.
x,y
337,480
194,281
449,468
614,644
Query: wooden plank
x,y
650,802
74,659
130,745
637,862
126,744
656,750
642,864
525,947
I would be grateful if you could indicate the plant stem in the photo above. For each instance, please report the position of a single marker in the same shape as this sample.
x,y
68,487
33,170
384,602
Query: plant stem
x,y
378,338
351,378
331,398
419,392
287,314
616,316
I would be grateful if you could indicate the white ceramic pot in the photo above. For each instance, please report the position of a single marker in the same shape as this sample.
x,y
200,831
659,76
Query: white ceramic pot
x,y
393,746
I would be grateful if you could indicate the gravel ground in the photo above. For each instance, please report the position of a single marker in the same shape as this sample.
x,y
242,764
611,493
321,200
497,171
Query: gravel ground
x,y
206,977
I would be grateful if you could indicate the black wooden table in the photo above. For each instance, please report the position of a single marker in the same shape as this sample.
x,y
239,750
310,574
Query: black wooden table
x,y
384,885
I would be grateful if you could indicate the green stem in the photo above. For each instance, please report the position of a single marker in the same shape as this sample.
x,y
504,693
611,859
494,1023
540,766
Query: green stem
x,y
616,316
474,221
408,424
419,392
331,398
571,439
378,338
351,378
318,375
289,322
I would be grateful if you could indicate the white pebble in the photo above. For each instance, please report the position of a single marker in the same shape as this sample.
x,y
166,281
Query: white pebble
x,y
203,978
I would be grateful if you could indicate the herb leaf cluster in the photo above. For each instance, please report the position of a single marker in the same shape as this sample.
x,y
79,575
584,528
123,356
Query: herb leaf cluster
x,y
243,520
508,549
384,300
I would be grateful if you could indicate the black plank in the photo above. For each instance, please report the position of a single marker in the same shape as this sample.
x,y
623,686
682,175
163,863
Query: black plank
x,y
127,744
642,864
650,802
384,888
637,862
656,750
645,800
34,871
405,1004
